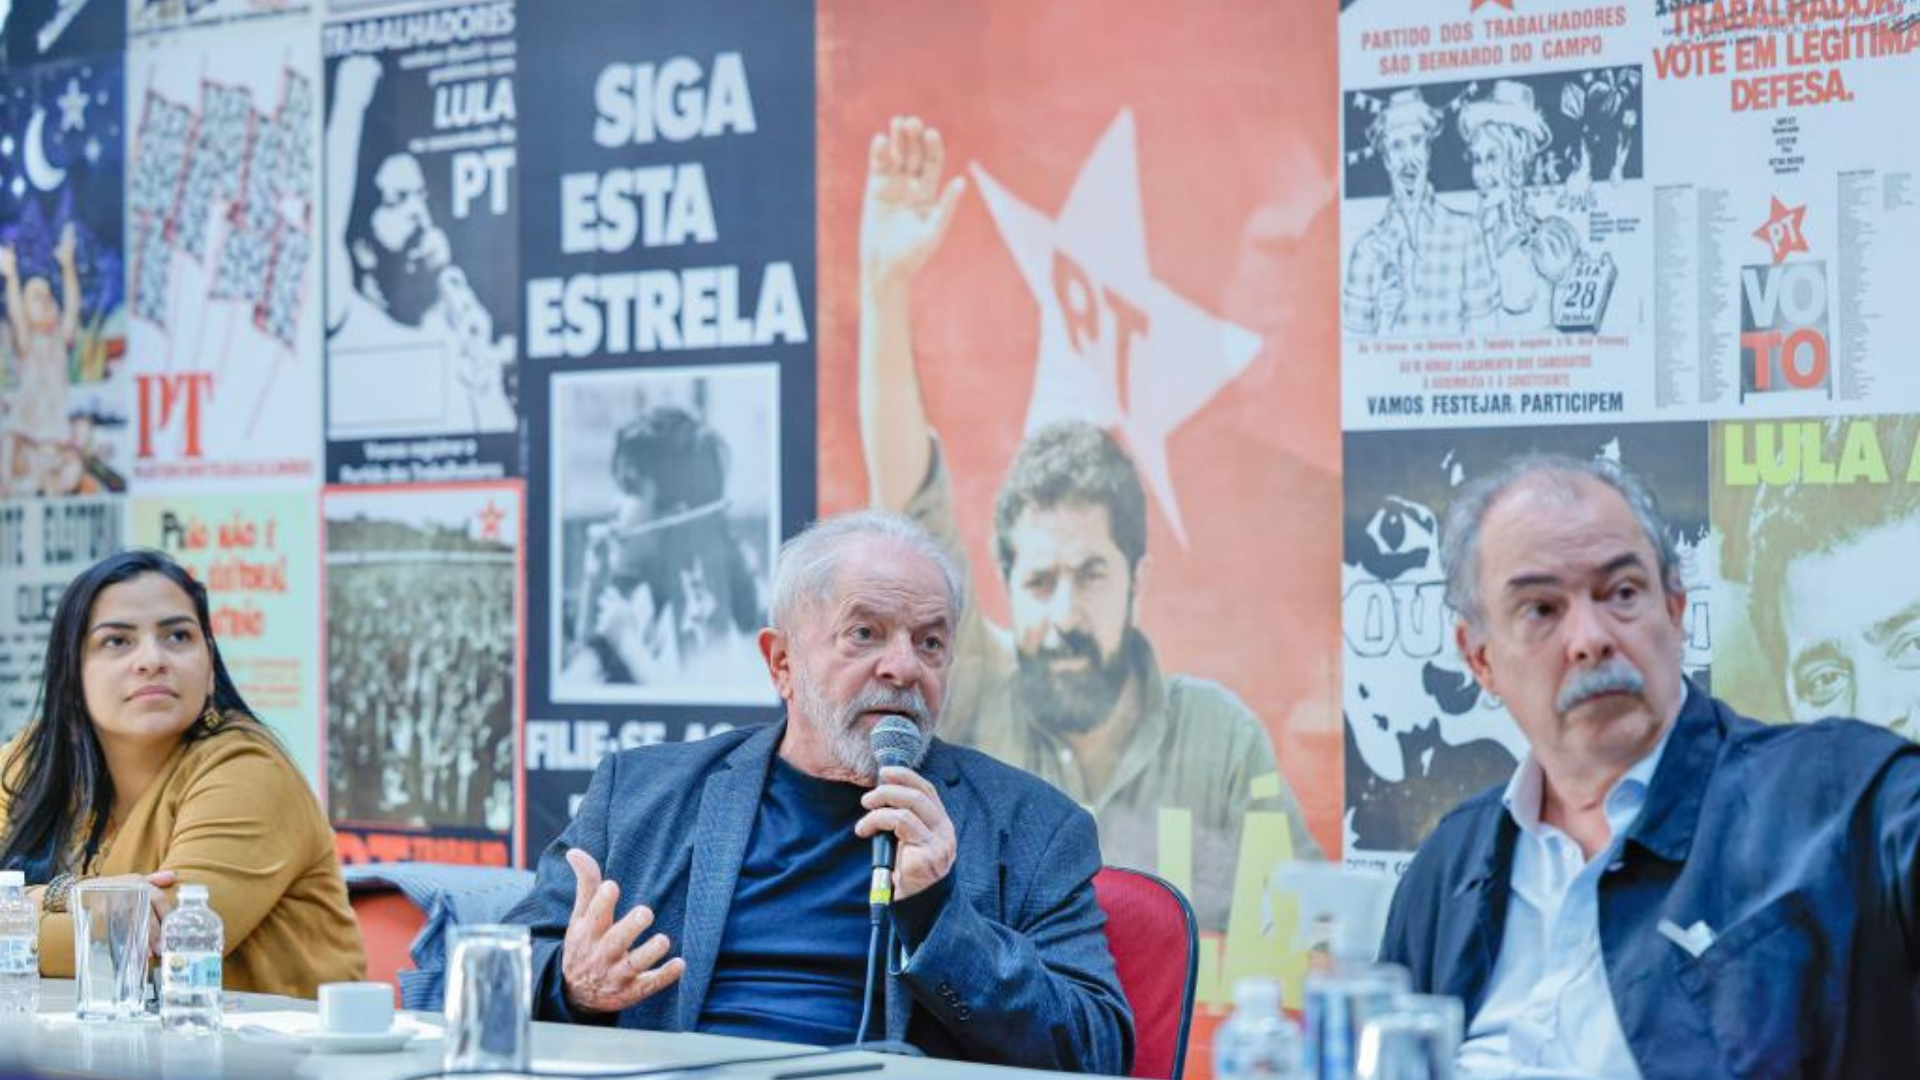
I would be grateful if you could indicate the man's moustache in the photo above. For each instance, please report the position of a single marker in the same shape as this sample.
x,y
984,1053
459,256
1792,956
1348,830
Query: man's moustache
x,y
1071,646
1614,677
908,703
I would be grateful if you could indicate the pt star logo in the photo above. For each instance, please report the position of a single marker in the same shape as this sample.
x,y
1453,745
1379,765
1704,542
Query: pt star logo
x,y
1118,347
489,520
1478,4
1782,232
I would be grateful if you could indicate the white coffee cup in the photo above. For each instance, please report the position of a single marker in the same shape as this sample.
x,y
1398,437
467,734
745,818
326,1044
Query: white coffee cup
x,y
356,1008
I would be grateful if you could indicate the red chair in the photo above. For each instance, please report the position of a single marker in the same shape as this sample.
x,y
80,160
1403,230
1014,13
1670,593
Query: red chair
x,y
1156,947
388,924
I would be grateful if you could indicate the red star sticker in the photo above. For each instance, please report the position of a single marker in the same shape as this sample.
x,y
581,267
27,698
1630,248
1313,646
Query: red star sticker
x,y
490,519
1783,231
1478,4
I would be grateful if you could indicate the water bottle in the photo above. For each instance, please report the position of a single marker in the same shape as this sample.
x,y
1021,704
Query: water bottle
x,y
19,948
191,944
1257,1042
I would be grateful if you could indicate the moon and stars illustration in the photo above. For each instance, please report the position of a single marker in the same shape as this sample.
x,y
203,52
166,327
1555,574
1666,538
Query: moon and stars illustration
x,y
68,123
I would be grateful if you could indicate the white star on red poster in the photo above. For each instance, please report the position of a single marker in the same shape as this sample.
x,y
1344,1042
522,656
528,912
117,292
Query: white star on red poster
x,y
1118,347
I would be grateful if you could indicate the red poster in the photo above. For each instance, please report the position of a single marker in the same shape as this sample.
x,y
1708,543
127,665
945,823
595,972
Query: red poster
x,y
1125,223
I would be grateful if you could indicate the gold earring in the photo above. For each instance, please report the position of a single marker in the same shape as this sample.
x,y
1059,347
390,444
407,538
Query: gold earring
x,y
211,719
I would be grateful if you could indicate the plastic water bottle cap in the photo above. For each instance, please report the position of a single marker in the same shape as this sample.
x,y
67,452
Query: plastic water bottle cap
x,y
14,878
1257,994
193,892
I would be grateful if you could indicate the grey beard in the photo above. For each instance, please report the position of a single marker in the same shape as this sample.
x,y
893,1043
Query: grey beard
x,y
846,743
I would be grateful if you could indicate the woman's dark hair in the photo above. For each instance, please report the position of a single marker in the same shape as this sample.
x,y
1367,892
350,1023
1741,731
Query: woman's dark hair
x,y
59,782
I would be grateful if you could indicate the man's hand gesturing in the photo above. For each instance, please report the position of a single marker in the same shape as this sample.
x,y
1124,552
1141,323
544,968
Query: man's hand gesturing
x,y
600,968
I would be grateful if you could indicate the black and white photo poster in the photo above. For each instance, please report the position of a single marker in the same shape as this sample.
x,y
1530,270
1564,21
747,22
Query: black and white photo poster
x,y
422,608
665,482
421,308
667,368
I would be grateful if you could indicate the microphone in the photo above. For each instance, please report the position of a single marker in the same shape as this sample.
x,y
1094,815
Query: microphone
x,y
895,740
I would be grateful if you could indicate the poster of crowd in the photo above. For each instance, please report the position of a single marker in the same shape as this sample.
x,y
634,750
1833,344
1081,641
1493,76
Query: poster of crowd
x,y
43,544
1421,735
39,31
667,249
1495,237
258,554
1820,612
1784,255
64,385
424,666
422,316
223,265
1053,303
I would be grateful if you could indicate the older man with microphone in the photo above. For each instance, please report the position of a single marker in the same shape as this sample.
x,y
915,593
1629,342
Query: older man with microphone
x,y
841,876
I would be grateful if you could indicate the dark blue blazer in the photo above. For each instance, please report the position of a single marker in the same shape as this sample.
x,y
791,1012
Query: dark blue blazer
x,y
1794,843
1005,963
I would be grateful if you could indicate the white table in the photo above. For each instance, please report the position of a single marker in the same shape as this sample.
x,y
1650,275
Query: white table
x,y
140,1049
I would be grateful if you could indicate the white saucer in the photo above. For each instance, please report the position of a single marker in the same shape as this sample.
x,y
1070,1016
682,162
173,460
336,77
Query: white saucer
x,y
346,1042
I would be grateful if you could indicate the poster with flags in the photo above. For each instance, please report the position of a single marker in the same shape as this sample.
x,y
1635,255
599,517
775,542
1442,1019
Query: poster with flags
x,y
223,263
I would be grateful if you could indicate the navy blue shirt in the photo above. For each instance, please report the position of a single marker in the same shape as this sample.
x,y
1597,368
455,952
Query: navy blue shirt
x,y
793,956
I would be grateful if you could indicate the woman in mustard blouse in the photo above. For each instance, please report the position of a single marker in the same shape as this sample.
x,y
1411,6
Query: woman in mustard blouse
x,y
145,764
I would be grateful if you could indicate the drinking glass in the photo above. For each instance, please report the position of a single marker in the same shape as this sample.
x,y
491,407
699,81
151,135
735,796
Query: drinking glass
x,y
489,1002
110,921
1340,1001
1417,1038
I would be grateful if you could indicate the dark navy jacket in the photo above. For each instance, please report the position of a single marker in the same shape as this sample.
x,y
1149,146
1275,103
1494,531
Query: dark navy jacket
x,y
1795,843
1008,959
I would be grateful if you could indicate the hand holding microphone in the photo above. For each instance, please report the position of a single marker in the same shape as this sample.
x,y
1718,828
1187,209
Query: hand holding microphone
x,y
912,834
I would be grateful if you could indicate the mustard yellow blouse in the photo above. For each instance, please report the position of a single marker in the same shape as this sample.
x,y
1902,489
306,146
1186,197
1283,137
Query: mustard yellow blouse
x,y
232,813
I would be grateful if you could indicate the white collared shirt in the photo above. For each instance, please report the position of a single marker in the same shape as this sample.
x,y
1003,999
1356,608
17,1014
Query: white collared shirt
x,y
1548,1013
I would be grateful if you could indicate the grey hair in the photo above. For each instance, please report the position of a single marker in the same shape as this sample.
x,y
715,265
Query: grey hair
x,y
1460,534
803,574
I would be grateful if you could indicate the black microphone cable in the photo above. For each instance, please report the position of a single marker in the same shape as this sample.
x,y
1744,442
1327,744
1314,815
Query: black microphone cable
x,y
895,740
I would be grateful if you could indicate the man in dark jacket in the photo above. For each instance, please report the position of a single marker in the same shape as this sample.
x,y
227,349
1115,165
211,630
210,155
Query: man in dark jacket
x,y
1664,888
749,852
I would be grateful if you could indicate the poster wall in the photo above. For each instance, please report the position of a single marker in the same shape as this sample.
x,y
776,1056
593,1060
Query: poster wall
x,y
41,31
146,17
1494,218
1674,230
66,425
258,554
43,543
289,290
666,243
224,267
422,305
424,671
1819,616
1421,736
